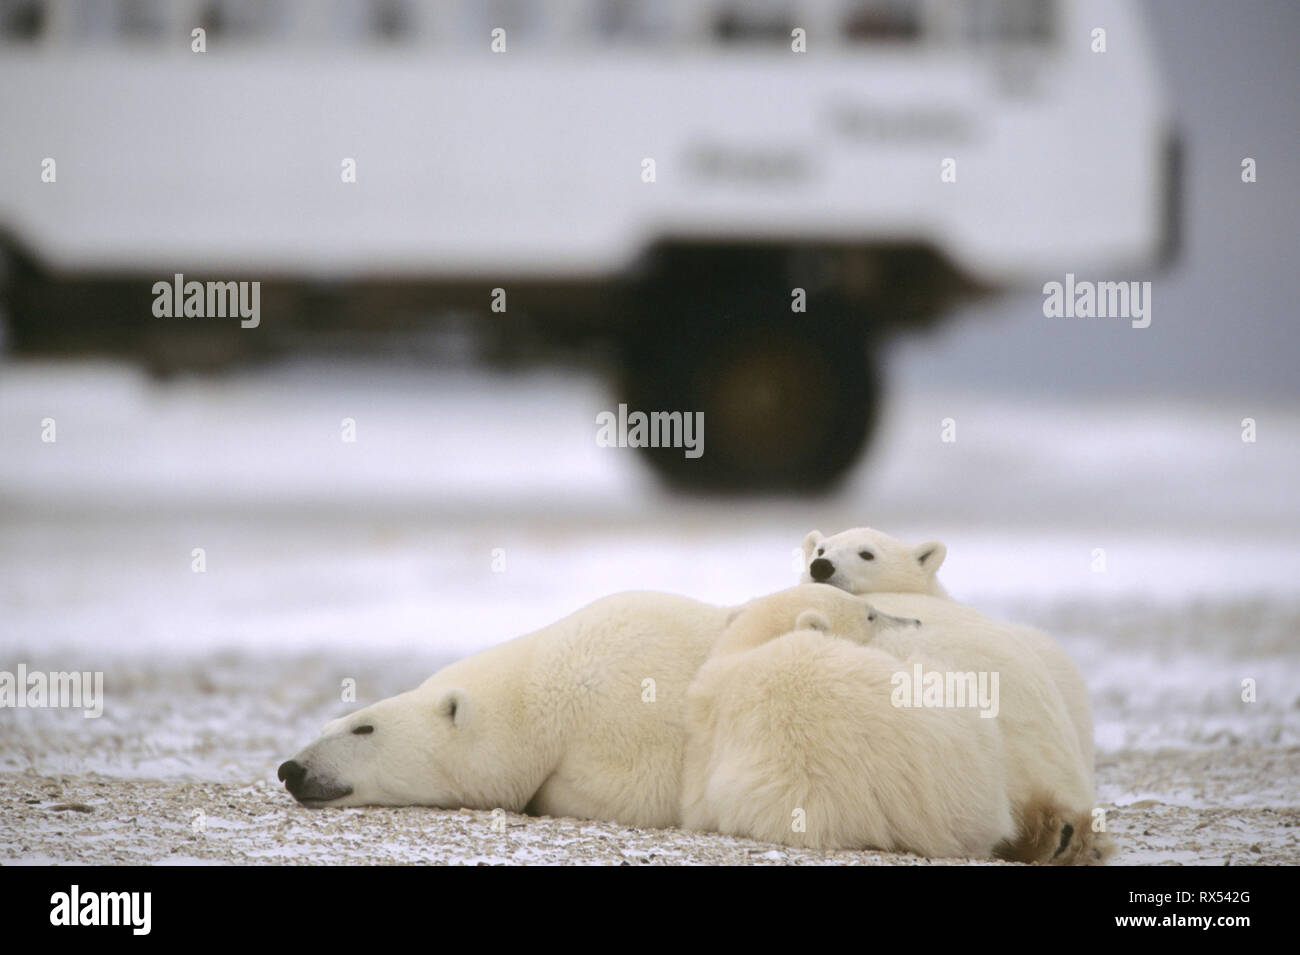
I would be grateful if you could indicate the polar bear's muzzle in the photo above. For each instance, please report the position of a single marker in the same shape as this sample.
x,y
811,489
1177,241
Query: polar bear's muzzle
x,y
821,570
311,789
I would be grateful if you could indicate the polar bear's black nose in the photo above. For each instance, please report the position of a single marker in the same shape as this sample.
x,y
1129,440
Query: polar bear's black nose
x,y
821,569
292,773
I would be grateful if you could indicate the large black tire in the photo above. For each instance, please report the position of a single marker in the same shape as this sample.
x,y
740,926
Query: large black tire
x,y
789,399
13,275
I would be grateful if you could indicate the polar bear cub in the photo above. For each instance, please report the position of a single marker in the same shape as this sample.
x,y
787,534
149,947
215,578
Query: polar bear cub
x,y
1042,717
752,623
797,741
864,560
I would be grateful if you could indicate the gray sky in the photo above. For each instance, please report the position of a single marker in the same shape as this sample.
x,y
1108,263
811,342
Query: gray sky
x,y
1224,318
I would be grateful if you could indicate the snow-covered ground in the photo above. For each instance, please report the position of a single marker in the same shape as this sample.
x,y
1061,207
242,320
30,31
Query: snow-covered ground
x,y
374,560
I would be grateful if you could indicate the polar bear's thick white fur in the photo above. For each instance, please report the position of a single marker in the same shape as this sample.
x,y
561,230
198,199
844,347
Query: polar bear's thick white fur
x,y
1048,782
865,560
894,566
796,741
561,722
1044,714
587,717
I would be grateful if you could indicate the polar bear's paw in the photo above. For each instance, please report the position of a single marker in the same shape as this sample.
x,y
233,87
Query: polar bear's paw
x,y
1047,834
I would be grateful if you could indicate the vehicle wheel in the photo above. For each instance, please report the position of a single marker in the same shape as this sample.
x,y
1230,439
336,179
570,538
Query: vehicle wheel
x,y
7,282
789,401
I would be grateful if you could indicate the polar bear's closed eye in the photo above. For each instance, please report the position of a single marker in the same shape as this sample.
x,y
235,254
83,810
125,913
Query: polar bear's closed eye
x,y
878,620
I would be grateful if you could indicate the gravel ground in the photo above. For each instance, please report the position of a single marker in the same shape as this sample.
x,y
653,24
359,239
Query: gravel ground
x,y
92,819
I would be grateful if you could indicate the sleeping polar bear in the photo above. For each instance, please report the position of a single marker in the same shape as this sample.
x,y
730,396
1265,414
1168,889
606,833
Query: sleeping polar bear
x,y
583,718
798,741
864,561
1047,783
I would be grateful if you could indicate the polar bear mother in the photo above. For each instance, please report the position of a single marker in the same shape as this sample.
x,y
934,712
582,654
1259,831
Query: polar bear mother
x,y
588,717
583,718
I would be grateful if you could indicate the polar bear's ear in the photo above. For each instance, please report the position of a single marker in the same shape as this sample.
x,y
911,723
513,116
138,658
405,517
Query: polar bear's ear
x,y
809,543
454,705
930,556
813,620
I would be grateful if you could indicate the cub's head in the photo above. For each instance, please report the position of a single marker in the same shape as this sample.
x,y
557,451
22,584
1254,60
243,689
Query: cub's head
x,y
428,747
874,620
864,560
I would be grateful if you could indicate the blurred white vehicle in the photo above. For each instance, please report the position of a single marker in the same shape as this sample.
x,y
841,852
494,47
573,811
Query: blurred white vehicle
x,y
656,175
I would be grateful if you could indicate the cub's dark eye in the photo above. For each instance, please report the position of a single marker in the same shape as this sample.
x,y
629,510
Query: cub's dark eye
x,y
820,551
871,618
866,555
363,730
